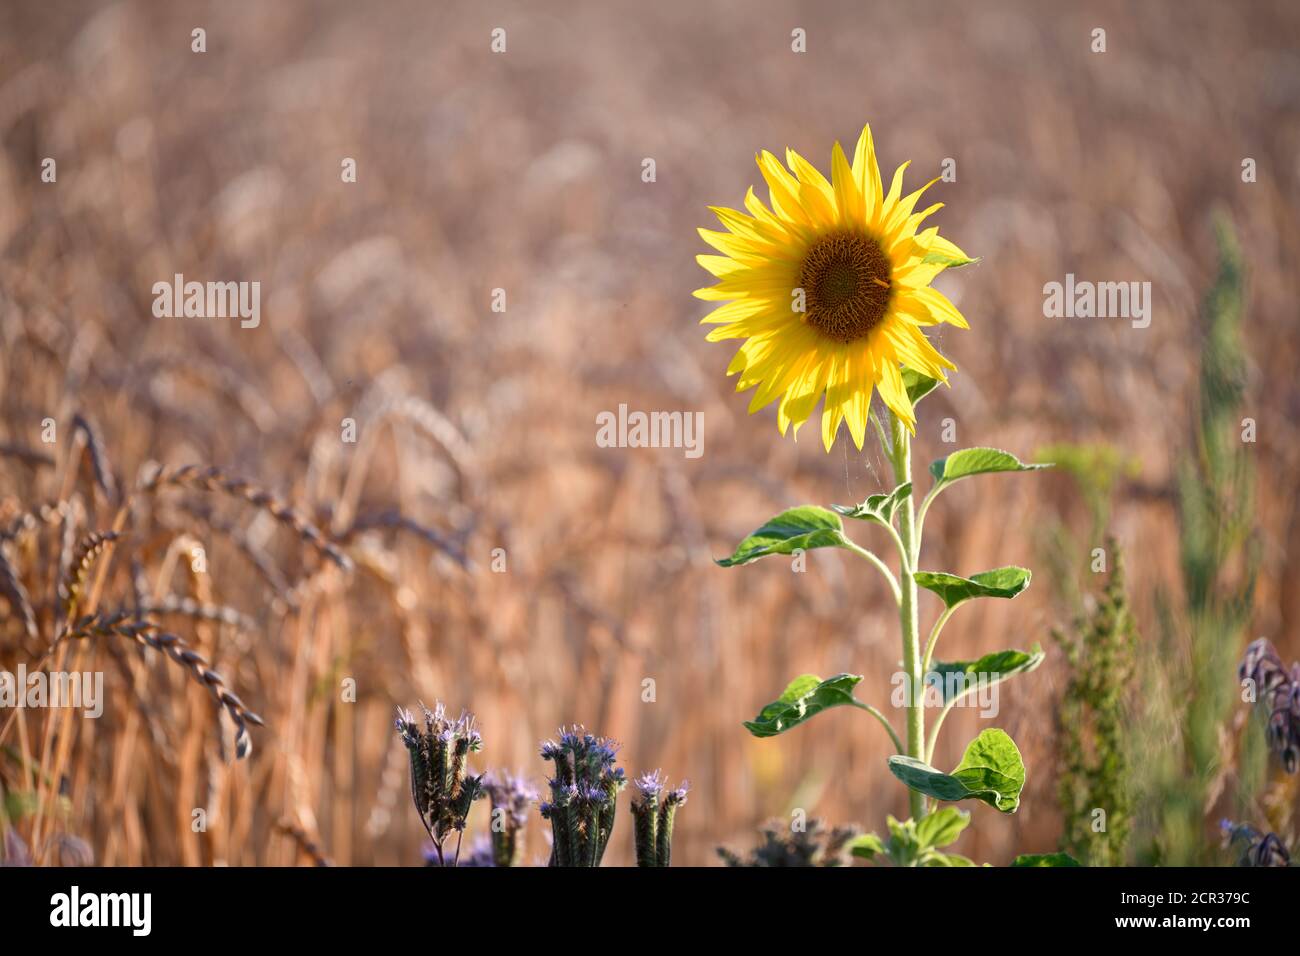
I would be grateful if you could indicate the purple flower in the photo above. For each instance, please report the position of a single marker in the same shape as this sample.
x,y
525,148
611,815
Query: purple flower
x,y
583,795
654,808
510,793
649,786
441,787
15,850
551,750
1254,848
1278,692
480,854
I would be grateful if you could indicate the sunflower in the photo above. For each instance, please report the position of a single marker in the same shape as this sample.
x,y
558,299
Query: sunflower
x,y
830,289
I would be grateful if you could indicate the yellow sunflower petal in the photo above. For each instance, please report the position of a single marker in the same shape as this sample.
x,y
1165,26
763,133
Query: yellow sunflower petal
x,y
767,282
866,172
895,190
720,265
802,395
762,214
892,390
940,307
783,189
746,227
815,193
915,350
833,409
901,231
763,233
738,247
857,407
774,386
712,294
735,311
767,321
847,197
753,359
896,218
941,246
911,309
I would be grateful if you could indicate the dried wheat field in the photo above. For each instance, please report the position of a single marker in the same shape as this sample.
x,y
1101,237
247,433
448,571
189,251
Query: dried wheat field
x,y
268,534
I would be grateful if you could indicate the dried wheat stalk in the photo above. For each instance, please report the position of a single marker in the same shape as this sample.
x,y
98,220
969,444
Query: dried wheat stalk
x,y
186,606
73,582
433,423
11,586
125,625
393,519
250,549
304,842
46,514
28,456
98,457
213,479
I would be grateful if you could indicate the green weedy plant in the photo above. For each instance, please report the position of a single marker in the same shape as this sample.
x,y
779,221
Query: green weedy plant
x,y
1100,649
991,770
1100,653
1096,471
1189,675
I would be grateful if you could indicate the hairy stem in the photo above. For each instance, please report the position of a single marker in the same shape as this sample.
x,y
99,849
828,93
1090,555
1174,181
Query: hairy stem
x,y
907,613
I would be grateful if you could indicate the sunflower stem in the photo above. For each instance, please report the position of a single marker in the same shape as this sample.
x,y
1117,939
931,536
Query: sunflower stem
x,y
907,612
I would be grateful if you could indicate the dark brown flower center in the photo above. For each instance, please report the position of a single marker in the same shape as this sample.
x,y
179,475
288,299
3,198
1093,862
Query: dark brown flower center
x,y
846,282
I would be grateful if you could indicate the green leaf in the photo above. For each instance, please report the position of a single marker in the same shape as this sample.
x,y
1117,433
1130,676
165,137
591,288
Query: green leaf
x,y
867,846
978,461
954,589
901,831
1045,859
990,770
878,508
941,827
805,697
952,262
802,528
935,858
918,386
952,679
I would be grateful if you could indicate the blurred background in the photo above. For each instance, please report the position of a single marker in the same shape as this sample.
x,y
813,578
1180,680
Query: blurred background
x,y
476,429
